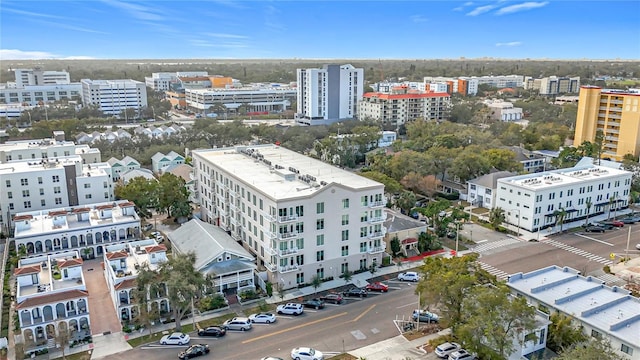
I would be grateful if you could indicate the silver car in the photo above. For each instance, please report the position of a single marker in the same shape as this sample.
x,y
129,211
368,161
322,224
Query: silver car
x,y
237,323
444,350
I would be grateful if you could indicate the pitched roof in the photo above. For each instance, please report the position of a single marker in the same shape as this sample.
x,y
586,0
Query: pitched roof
x,y
491,180
27,270
206,241
52,297
181,170
69,262
126,284
155,248
117,255
114,162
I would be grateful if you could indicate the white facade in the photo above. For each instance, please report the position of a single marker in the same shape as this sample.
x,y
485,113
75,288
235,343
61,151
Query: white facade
x,y
89,227
51,296
299,216
602,312
387,138
399,108
161,81
12,111
114,96
160,161
26,77
503,110
34,95
119,167
259,99
38,149
438,87
329,94
531,201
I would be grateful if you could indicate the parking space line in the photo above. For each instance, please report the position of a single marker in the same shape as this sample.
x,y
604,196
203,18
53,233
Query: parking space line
x,y
409,304
592,239
294,327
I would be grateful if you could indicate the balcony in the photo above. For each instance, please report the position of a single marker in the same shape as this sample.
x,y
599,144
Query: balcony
x,y
376,204
614,116
377,234
271,267
287,218
271,251
378,219
288,268
284,252
619,102
376,249
283,236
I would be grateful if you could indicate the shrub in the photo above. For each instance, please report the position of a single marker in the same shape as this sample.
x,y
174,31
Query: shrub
x,y
269,289
606,269
248,295
211,302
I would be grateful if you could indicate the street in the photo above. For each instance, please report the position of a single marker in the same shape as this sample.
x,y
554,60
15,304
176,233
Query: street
x,y
333,330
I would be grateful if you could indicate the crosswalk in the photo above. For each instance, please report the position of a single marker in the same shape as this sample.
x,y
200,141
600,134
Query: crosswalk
x,y
580,252
487,246
501,275
610,279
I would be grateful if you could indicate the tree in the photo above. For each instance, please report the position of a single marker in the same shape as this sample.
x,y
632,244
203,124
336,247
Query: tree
x,y
494,319
599,144
373,268
568,157
316,281
391,185
563,334
173,195
560,216
142,192
588,206
496,217
183,283
502,159
406,201
347,275
395,246
612,201
470,164
62,339
593,350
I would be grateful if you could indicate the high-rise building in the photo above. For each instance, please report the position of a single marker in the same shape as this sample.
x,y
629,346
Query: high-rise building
x,y
616,113
329,94
400,107
114,96
37,76
553,85
299,216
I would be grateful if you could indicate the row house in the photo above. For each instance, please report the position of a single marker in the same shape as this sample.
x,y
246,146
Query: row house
x,y
118,167
51,297
160,162
159,131
110,136
87,229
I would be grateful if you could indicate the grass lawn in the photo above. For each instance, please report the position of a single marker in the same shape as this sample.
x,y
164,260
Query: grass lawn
x,y
451,244
79,356
187,327
343,357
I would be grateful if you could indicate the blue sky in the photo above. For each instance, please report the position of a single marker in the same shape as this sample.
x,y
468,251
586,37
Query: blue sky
x,y
391,29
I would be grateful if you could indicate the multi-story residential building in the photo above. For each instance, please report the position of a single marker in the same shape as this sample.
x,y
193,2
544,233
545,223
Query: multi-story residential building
x,y
300,217
113,96
160,161
50,148
600,311
482,190
329,94
84,228
504,110
122,263
387,87
403,106
533,201
12,111
258,99
553,85
468,85
614,112
119,167
51,297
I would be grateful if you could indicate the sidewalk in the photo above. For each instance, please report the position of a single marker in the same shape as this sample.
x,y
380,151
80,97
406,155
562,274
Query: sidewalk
x,y
397,348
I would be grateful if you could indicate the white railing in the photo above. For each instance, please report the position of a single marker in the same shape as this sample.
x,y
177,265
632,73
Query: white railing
x,y
375,204
376,249
288,268
287,218
288,251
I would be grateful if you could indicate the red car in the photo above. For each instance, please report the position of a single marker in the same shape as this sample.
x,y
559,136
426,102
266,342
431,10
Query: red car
x,y
377,286
616,223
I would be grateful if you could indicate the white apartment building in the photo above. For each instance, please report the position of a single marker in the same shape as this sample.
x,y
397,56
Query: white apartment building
x,y
113,96
439,87
602,312
387,87
299,216
504,110
37,76
258,99
51,296
84,228
532,201
122,262
399,108
162,81
52,148
34,95
12,111
329,94
119,167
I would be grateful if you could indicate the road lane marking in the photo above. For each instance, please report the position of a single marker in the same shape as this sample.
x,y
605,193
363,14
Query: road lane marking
x,y
364,313
409,304
481,241
294,328
592,239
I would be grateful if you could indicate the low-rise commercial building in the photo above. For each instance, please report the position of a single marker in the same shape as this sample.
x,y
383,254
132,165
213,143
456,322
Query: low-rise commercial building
x,y
504,110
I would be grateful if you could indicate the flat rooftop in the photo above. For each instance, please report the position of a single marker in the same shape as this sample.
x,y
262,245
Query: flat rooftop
x,y
34,144
563,177
612,310
281,173
44,267
134,255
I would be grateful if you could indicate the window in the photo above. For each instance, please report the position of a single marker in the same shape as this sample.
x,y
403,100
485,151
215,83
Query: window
x,y
25,193
10,195
87,196
55,178
345,203
27,204
300,259
39,179
300,210
87,186
24,182
364,217
319,207
300,278
320,273
364,200
58,201
320,240
320,255
626,349
299,243
596,334
363,247
345,250
345,219
43,203
10,206
8,183
320,224
344,267
41,191
56,189
345,235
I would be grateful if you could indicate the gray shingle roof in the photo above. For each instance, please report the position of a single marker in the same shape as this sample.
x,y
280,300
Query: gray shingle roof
x,y
491,180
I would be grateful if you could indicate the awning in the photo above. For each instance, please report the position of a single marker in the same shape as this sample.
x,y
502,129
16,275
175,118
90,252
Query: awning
x,y
571,210
602,203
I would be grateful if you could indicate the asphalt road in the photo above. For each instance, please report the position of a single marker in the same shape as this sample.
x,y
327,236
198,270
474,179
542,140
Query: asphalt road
x,y
332,330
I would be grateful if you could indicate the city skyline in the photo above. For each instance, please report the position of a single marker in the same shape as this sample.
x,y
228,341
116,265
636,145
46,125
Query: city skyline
x,y
225,29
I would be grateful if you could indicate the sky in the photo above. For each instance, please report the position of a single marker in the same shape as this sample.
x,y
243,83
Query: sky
x,y
330,29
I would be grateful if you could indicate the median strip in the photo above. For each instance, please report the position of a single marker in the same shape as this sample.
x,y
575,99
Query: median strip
x,y
294,327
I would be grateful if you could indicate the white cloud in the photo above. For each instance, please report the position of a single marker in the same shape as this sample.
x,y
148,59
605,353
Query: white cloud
x,y
481,10
32,14
137,10
461,7
418,19
521,7
226,45
509,44
226,36
15,54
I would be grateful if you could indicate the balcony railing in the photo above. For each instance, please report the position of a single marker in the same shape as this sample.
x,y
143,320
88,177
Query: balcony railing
x,y
375,204
376,249
271,267
271,251
288,251
377,219
376,234
288,268
287,218
287,235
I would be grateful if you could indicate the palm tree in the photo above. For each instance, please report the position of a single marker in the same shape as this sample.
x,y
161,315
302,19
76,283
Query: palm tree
x,y
496,217
560,216
588,204
611,202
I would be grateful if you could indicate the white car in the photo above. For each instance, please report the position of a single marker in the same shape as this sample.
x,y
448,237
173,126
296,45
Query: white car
x,y
306,353
177,338
409,276
264,318
638,246
444,350
290,309
461,354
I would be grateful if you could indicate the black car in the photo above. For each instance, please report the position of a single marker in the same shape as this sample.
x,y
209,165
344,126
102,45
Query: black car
x,y
355,292
594,228
332,298
314,303
212,331
194,351
606,226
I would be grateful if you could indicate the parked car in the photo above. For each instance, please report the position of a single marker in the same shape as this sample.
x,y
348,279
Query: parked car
x,y
314,303
306,353
630,220
605,226
216,331
377,286
616,223
237,323
443,350
424,316
177,338
355,292
461,354
594,228
265,318
409,276
155,234
271,358
194,351
147,227
290,309
638,246
332,298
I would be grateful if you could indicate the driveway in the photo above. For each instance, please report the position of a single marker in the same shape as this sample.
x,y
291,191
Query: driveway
x,y
103,314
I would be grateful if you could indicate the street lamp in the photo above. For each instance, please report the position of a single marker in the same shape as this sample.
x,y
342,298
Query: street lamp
x,y
457,236
518,210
